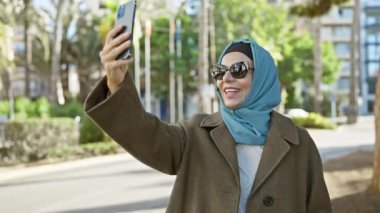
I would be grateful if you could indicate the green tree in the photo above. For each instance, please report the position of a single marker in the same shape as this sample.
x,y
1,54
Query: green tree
x,y
315,9
298,65
268,24
160,56
82,50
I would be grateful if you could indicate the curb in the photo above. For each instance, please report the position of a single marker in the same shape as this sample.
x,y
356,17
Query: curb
x,y
20,172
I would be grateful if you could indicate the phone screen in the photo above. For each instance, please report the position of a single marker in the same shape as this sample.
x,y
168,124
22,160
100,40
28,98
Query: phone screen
x,y
125,17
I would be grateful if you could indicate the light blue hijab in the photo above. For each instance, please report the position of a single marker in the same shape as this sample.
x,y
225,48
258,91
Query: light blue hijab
x,y
249,123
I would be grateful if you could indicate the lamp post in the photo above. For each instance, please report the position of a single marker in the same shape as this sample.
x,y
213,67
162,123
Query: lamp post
x,y
148,33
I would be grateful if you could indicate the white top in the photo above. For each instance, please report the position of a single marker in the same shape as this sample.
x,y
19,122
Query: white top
x,y
248,159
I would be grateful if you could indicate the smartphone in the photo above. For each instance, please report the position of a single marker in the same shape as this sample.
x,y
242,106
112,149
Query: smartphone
x,y
125,17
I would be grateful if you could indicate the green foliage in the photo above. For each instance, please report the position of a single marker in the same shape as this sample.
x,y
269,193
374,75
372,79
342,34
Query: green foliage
x,y
70,109
33,139
160,57
100,148
4,108
26,108
42,108
23,108
314,120
315,8
268,24
330,63
298,60
90,132
85,150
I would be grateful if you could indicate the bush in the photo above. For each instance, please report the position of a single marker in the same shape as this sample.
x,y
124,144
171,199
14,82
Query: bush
x,y
101,148
24,108
4,108
70,109
314,120
43,108
86,150
33,139
90,132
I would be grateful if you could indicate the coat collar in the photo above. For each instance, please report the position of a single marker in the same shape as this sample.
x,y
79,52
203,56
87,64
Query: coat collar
x,y
278,121
282,132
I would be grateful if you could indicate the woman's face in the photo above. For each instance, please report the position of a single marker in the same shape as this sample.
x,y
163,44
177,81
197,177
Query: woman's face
x,y
234,90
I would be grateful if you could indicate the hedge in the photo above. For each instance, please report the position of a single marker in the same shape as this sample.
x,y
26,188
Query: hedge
x,y
314,120
33,139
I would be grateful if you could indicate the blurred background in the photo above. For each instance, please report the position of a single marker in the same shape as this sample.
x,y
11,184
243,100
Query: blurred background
x,y
327,53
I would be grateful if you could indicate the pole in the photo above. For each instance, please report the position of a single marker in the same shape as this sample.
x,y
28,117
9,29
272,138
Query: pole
x,y
203,59
148,104
179,77
353,103
172,70
318,69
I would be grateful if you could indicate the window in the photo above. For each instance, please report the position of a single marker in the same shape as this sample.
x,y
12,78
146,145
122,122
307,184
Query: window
x,y
343,49
344,84
373,69
345,66
373,52
345,13
342,31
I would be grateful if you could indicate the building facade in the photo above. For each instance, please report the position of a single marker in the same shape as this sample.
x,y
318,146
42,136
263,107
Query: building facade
x,y
370,64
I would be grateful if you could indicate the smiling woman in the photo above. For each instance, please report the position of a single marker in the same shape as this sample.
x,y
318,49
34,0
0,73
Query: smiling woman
x,y
245,158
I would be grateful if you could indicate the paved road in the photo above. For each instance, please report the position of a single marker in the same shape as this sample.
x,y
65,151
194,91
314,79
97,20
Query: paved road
x,y
107,184
122,184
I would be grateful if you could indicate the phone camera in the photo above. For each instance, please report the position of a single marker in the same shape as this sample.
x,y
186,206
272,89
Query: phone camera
x,y
121,11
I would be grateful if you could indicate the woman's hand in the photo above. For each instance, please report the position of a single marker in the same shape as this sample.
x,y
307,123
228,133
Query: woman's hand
x,y
115,69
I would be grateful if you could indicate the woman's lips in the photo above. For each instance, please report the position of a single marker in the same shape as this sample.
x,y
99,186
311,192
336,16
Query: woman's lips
x,y
231,92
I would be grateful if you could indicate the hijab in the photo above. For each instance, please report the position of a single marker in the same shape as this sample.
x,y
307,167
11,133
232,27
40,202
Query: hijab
x,y
249,122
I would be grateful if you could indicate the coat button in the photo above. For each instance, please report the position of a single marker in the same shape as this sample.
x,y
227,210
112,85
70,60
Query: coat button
x,y
268,201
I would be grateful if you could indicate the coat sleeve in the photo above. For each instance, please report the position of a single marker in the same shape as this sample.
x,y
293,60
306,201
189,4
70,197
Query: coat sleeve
x,y
318,199
122,116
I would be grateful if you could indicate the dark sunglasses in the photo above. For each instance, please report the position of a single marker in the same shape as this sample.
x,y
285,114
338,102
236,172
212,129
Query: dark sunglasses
x,y
238,70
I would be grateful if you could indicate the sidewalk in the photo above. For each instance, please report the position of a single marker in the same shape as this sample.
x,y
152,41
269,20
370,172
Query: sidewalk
x,y
346,139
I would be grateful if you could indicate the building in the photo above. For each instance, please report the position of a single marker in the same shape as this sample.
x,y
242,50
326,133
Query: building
x,y
336,27
370,64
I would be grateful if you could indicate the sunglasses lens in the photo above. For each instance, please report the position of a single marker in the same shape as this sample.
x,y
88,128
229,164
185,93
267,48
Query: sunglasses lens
x,y
239,70
218,71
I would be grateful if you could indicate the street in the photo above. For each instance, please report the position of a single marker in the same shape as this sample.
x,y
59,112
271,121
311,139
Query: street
x,y
122,184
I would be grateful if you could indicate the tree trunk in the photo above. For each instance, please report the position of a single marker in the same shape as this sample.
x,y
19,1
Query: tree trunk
x,y
375,183
353,106
318,69
28,49
204,101
56,57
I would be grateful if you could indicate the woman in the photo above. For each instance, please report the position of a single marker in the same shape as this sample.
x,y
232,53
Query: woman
x,y
246,158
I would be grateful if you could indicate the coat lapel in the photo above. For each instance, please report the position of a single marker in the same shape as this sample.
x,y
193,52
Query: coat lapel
x,y
281,132
223,140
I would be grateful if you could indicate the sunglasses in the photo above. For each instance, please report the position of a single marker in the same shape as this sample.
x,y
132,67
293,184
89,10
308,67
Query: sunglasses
x,y
238,70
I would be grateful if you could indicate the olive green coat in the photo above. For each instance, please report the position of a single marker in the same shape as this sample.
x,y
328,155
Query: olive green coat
x,y
201,152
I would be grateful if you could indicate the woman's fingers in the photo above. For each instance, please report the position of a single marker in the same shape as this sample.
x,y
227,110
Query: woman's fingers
x,y
113,33
112,54
111,44
114,65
